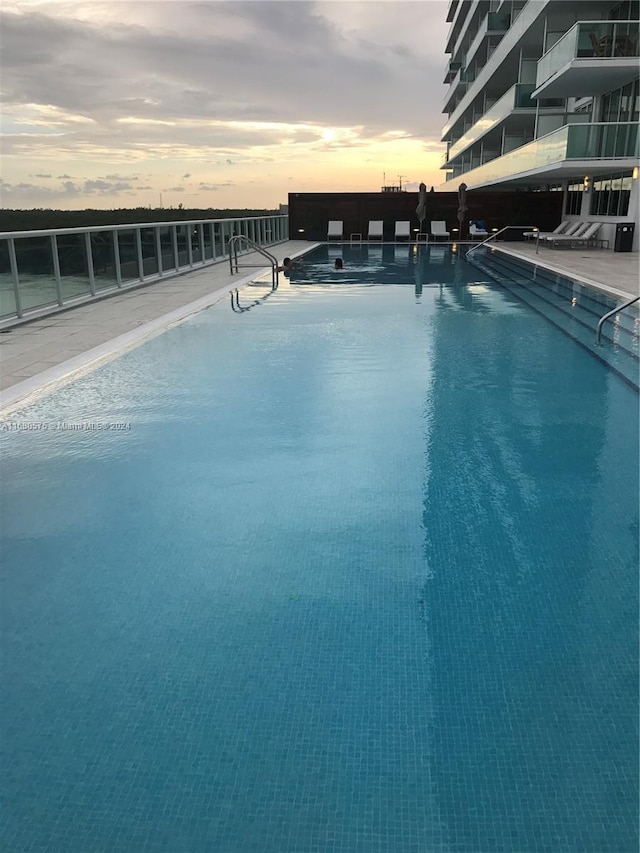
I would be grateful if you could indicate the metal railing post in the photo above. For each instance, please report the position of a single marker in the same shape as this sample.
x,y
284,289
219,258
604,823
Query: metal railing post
x,y
116,258
89,259
56,267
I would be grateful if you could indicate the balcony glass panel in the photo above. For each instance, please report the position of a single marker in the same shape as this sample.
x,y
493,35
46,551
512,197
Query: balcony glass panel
x,y
128,252
36,272
589,39
517,96
7,293
183,252
498,22
577,141
104,261
149,251
166,248
208,242
74,272
605,141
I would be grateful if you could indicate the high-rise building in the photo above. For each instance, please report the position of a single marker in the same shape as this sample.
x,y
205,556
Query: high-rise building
x,y
544,94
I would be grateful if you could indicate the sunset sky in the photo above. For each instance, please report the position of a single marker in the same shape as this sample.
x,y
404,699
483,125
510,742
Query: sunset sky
x,y
217,104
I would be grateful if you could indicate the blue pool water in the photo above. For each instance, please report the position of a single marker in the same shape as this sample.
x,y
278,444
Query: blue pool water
x,y
359,573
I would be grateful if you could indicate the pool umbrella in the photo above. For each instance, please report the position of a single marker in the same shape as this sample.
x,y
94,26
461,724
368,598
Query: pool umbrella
x,y
462,205
421,209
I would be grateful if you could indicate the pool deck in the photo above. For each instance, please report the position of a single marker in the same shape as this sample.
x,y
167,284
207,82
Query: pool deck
x,y
47,352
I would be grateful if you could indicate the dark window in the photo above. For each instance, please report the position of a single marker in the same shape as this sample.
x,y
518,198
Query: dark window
x,y
610,195
574,199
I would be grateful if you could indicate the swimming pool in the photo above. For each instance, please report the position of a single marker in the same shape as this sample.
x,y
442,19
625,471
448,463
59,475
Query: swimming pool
x,y
352,570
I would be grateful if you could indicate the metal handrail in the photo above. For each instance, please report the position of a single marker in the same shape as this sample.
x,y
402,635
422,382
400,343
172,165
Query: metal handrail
x,y
233,257
613,311
497,234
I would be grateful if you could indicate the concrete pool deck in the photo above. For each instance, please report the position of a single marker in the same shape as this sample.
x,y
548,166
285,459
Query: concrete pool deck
x,y
40,354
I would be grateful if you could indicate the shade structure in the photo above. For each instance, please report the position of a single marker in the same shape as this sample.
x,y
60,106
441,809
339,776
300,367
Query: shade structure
x,y
462,205
421,209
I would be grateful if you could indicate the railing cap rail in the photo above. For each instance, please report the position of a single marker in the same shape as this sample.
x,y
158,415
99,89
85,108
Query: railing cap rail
x,y
47,232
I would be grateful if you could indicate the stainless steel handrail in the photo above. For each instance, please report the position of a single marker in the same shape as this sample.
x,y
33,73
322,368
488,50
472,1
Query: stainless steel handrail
x,y
497,234
613,311
233,257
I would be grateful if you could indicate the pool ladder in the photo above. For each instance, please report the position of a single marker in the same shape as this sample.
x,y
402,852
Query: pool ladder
x,y
497,234
606,316
236,241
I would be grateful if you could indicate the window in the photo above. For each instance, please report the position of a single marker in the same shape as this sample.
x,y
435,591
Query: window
x,y
621,105
610,195
574,199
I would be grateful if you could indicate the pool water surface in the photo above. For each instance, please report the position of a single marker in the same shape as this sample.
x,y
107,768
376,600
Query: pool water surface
x,y
357,571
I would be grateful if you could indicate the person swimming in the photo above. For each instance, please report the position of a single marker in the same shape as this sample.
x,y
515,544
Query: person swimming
x,y
287,265
338,264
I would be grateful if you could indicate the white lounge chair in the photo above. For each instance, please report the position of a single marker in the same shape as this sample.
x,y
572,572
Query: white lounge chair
x,y
576,229
439,229
477,233
560,229
582,238
335,229
403,229
375,229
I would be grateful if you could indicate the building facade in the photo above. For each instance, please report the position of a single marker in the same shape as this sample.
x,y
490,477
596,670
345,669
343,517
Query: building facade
x,y
544,94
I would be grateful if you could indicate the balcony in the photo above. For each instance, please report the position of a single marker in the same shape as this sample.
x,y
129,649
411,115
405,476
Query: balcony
x,y
592,58
516,98
452,70
561,154
493,25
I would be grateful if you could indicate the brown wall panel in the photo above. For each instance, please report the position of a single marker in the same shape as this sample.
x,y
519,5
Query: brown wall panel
x,y
309,213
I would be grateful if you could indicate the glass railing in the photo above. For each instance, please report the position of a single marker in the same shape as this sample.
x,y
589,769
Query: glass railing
x,y
517,96
53,268
572,142
589,39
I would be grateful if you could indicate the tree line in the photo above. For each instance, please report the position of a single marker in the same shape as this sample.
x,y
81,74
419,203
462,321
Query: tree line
x,y
41,218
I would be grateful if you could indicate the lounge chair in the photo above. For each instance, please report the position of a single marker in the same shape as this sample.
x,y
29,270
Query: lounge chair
x,y
403,229
475,232
439,229
560,229
576,229
582,238
375,229
335,229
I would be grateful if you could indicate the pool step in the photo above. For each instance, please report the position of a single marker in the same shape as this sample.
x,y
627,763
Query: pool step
x,y
559,289
575,320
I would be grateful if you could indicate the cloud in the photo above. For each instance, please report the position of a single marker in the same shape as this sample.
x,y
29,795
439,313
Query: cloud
x,y
130,87
167,68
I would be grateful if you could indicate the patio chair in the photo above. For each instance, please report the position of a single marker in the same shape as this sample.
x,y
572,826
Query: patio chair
x,y
403,229
335,230
439,229
576,229
582,238
375,229
476,233
560,229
